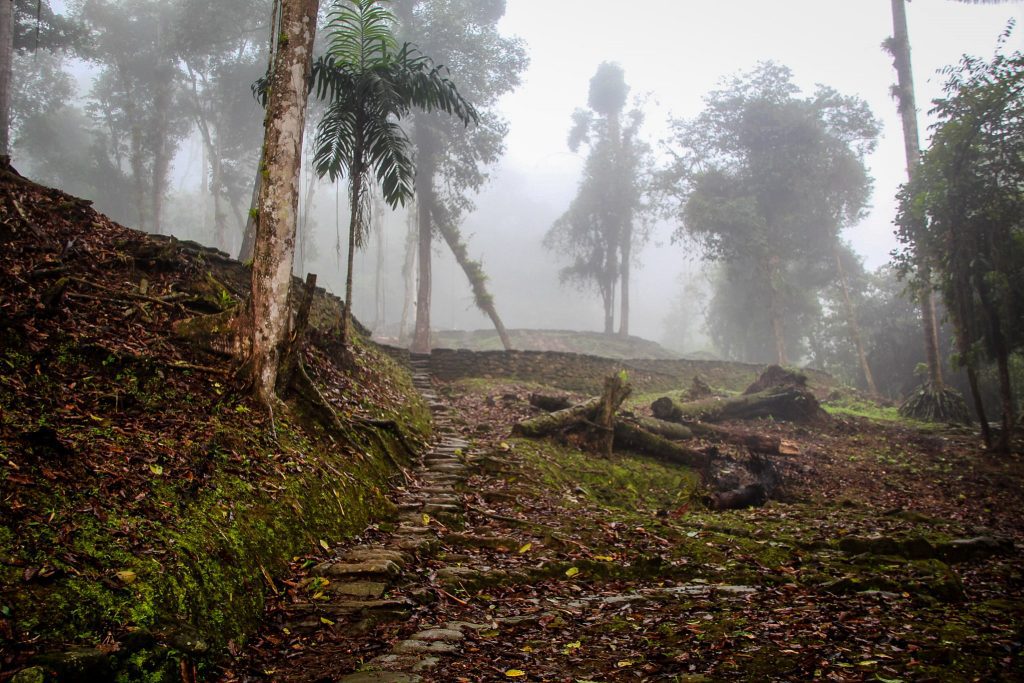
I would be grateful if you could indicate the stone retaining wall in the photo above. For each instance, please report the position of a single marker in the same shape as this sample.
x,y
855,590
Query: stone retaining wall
x,y
579,372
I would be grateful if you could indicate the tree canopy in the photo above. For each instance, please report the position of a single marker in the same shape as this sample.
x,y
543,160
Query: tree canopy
x,y
766,178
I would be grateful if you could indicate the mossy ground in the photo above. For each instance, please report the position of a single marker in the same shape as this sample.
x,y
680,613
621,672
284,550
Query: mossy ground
x,y
146,503
818,607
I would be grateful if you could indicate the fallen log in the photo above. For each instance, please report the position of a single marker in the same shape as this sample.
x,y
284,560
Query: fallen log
x,y
544,425
784,403
762,443
673,431
638,439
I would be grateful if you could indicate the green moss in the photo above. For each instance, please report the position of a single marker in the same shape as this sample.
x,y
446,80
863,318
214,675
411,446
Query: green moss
x,y
624,481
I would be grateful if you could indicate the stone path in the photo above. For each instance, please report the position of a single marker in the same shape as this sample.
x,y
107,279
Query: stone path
x,y
361,576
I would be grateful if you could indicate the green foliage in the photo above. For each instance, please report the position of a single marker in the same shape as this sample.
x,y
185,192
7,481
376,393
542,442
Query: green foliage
x,y
765,180
371,85
963,210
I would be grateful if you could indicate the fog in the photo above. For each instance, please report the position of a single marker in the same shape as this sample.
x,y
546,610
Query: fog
x,y
672,54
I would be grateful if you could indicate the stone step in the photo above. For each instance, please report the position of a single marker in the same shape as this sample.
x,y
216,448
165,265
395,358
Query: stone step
x,y
358,589
379,567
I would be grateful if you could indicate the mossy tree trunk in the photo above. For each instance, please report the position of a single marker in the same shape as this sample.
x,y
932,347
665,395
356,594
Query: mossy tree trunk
x,y
475,274
899,46
278,202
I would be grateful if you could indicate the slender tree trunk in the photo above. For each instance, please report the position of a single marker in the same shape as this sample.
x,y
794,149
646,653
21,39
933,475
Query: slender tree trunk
x,y
627,248
380,307
774,312
851,320
249,234
355,226
137,177
278,202
912,149
245,252
963,347
6,68
608,298
305,209
425,169
408,269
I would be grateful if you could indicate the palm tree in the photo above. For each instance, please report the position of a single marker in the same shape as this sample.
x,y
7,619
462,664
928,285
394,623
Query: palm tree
x,y
371,84
899,47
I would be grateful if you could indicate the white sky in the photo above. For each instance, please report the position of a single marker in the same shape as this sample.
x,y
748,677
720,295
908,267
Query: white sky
x,y
677,50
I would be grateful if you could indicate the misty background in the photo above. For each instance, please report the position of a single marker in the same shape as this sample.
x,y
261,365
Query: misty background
x,y
672,54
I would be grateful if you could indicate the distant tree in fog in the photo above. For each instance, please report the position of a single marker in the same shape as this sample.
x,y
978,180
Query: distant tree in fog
x,y
597,233
765,179
28,26
451,160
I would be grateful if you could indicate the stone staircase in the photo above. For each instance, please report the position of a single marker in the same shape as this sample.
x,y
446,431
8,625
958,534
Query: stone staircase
x,y
359,578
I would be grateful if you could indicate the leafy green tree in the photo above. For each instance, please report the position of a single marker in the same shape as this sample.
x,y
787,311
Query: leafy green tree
x,y
452,162
899,47
765,181
964,212
597,232
372,84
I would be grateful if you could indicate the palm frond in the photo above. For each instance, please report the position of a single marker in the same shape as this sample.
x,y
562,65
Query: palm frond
x,y
333,146
388,152
361,33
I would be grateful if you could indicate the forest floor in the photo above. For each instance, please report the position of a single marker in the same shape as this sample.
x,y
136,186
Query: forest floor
x,y
530,560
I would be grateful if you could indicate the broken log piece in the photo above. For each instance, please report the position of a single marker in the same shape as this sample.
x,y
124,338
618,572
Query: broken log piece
x,y
636,438
785,403
775,376
616,390
673,431
550,403
761,443
543,425
751,495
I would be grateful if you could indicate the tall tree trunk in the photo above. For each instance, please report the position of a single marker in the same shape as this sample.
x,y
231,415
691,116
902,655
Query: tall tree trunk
x,y
379,302
278,202
972,380
137,177
213,174
6,68
477,280
608,299
626,249
774,310
900,47
305,209
249,234
245,252
426,166
355,227
851,320
408,271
